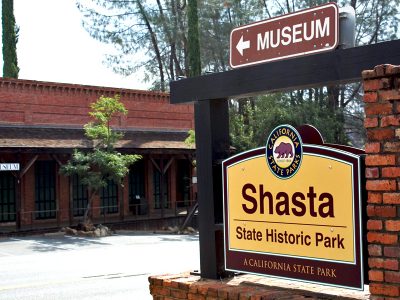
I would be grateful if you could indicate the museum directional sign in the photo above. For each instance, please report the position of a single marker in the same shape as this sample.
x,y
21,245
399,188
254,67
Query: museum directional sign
x,y
304,32
293,210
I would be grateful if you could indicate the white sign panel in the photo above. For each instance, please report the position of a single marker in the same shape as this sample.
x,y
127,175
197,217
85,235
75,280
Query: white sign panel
x,y
9,167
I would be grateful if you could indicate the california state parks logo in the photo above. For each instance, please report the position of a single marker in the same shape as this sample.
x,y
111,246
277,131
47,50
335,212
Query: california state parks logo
x,y
284,151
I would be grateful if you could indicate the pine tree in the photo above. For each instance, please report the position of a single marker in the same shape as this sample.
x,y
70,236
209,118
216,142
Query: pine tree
x,y
193,39
10,39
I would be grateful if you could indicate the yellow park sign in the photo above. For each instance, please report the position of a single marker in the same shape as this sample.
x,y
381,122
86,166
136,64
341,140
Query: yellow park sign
x,y
292,209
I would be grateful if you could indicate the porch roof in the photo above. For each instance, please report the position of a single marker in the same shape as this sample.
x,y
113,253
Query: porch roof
x,y
25,138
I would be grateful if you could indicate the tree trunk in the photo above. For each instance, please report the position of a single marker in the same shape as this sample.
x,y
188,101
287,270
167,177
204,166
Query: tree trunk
x,y
182,31
193,39
333,97
171,38
153,38
86,217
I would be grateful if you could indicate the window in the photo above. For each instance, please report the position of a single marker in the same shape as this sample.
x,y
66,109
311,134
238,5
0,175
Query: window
x,y
137,202
7,197
183,180
157,188
109,198
79,196
45,190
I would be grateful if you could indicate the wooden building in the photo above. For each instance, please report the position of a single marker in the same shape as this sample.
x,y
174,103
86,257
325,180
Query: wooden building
x,y
41,123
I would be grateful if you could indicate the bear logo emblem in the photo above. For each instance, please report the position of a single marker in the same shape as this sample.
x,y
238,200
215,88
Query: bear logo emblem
x,y
284,151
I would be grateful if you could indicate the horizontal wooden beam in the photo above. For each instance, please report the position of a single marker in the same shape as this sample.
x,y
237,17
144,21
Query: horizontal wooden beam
x,y
339,66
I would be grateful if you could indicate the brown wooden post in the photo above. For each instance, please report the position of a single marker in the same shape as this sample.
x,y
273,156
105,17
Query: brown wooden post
x,y
71,201
212,146
18,202
336,67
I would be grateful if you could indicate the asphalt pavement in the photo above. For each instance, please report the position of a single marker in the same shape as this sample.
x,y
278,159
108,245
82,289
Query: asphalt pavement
x,y
114,267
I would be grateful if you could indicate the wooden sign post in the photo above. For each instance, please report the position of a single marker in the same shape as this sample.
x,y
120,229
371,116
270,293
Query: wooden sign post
x,y
293,209
210,94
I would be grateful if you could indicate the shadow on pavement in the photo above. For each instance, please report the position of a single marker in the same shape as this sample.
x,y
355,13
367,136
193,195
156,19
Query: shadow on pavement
x,y
58,243
66,243
180,237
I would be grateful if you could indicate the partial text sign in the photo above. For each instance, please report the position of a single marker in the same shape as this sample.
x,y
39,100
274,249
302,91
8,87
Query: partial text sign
x,y
304,32
293,210
9,167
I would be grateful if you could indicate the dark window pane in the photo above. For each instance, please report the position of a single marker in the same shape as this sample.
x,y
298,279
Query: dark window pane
x,y
183,182
79,196
7,197
45,196
109,198
137,201
157,178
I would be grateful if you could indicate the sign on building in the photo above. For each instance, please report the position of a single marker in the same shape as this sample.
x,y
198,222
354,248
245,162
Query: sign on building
x,y
304,32
9,167
292,210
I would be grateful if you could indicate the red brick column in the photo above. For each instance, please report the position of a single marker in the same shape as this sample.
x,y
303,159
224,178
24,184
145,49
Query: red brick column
x,y
382,123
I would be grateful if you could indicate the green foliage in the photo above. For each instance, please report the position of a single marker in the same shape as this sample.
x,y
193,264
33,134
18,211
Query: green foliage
x,y
10,40
103,110
95,168
217,19
251,128
106,107
274,110
191,139
193,39
191,142
159,28
242,128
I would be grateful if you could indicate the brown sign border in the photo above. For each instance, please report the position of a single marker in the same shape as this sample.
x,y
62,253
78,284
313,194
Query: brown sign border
x,y
247,27
348,275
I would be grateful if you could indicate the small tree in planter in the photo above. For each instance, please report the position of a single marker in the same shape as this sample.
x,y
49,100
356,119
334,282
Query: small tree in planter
x,y
103,163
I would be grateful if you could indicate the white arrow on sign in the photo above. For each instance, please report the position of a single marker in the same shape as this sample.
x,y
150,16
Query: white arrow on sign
x,y
242,45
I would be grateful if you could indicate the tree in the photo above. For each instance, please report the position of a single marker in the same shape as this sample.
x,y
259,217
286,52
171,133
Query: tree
x,y
10,40
341,105
251,128
103,163
159,28
191,138
193,39
155,29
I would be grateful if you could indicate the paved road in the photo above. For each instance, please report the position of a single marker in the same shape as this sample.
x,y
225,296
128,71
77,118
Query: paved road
x,y
116,267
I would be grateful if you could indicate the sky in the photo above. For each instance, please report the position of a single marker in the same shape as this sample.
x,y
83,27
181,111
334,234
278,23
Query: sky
x,y
54,47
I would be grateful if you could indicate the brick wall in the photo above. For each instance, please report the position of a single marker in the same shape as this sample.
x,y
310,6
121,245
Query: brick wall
x,y
26,102
243,287
382,123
